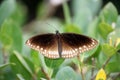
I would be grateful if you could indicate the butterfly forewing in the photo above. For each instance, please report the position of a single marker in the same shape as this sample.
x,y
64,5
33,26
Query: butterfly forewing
x,y
73,44
46,44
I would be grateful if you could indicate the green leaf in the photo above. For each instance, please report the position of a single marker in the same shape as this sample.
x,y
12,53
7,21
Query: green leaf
x,y
53,63
92,28
105,29
71,28
109,14
6,9
80,5
118,22
84,11
97,51
29,63
21,66
108,50
35,58
66,73
113,65
66,13
19,15
12,34
20,77
55,72
101,59
6,73
6,41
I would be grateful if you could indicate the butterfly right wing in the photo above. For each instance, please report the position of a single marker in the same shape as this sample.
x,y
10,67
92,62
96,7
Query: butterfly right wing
x,y
46,44
73,44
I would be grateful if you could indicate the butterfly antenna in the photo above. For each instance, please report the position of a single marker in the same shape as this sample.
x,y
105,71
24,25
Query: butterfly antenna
x,y
58,28
55,29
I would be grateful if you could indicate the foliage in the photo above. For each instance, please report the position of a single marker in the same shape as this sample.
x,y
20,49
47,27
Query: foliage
x,y
18,62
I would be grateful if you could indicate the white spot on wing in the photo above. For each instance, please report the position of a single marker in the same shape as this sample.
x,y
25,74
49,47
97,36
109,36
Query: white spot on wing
x,y
41,49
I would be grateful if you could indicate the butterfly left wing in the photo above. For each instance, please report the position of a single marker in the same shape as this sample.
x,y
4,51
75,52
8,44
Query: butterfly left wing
x,y
73,44
45,44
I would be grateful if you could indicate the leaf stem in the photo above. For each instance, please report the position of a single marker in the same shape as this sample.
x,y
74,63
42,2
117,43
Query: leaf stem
x,y
44,68
80,67
92,71
116,77
5,56
46,74
103,66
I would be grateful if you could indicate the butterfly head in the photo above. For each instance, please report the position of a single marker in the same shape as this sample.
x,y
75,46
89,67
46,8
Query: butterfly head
x,y
57,32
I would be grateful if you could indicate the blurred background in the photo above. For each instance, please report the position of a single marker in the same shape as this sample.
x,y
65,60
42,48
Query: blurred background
x,y
22,19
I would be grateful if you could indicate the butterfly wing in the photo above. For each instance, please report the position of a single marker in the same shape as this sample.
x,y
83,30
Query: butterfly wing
x,y
73,44
46,44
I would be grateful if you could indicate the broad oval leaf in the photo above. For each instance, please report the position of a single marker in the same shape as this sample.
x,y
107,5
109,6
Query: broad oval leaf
x,y
113,65
108,50
66,73
104,29
6,9
72,28
6,41
35,58
53,63
13,31
109,14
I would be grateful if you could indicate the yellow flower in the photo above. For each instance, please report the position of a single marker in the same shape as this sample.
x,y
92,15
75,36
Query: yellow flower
x,y
101,75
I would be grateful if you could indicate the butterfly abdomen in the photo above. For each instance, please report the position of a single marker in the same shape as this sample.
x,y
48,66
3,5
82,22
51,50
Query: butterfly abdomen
x,y
59,43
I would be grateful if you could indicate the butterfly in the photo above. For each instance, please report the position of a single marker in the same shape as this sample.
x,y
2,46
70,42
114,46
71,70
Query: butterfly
x,y
61,45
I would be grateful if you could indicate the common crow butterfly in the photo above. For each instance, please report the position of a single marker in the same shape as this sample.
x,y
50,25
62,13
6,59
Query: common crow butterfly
x,y
61,45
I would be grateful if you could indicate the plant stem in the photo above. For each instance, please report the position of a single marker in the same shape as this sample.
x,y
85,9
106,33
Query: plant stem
x,y
116,77
5,56
47,76
80,66
92,71
66,12
103,66
34,76
43,67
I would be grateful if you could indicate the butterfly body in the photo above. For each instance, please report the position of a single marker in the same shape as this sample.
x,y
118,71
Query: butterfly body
x,y
64,45
59,43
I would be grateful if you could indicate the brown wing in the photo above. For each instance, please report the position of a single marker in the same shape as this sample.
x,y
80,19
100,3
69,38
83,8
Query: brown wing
x,y
73,44
46,44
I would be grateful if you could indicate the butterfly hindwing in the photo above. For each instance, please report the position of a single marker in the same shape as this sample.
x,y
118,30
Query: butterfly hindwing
x,y
68,51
